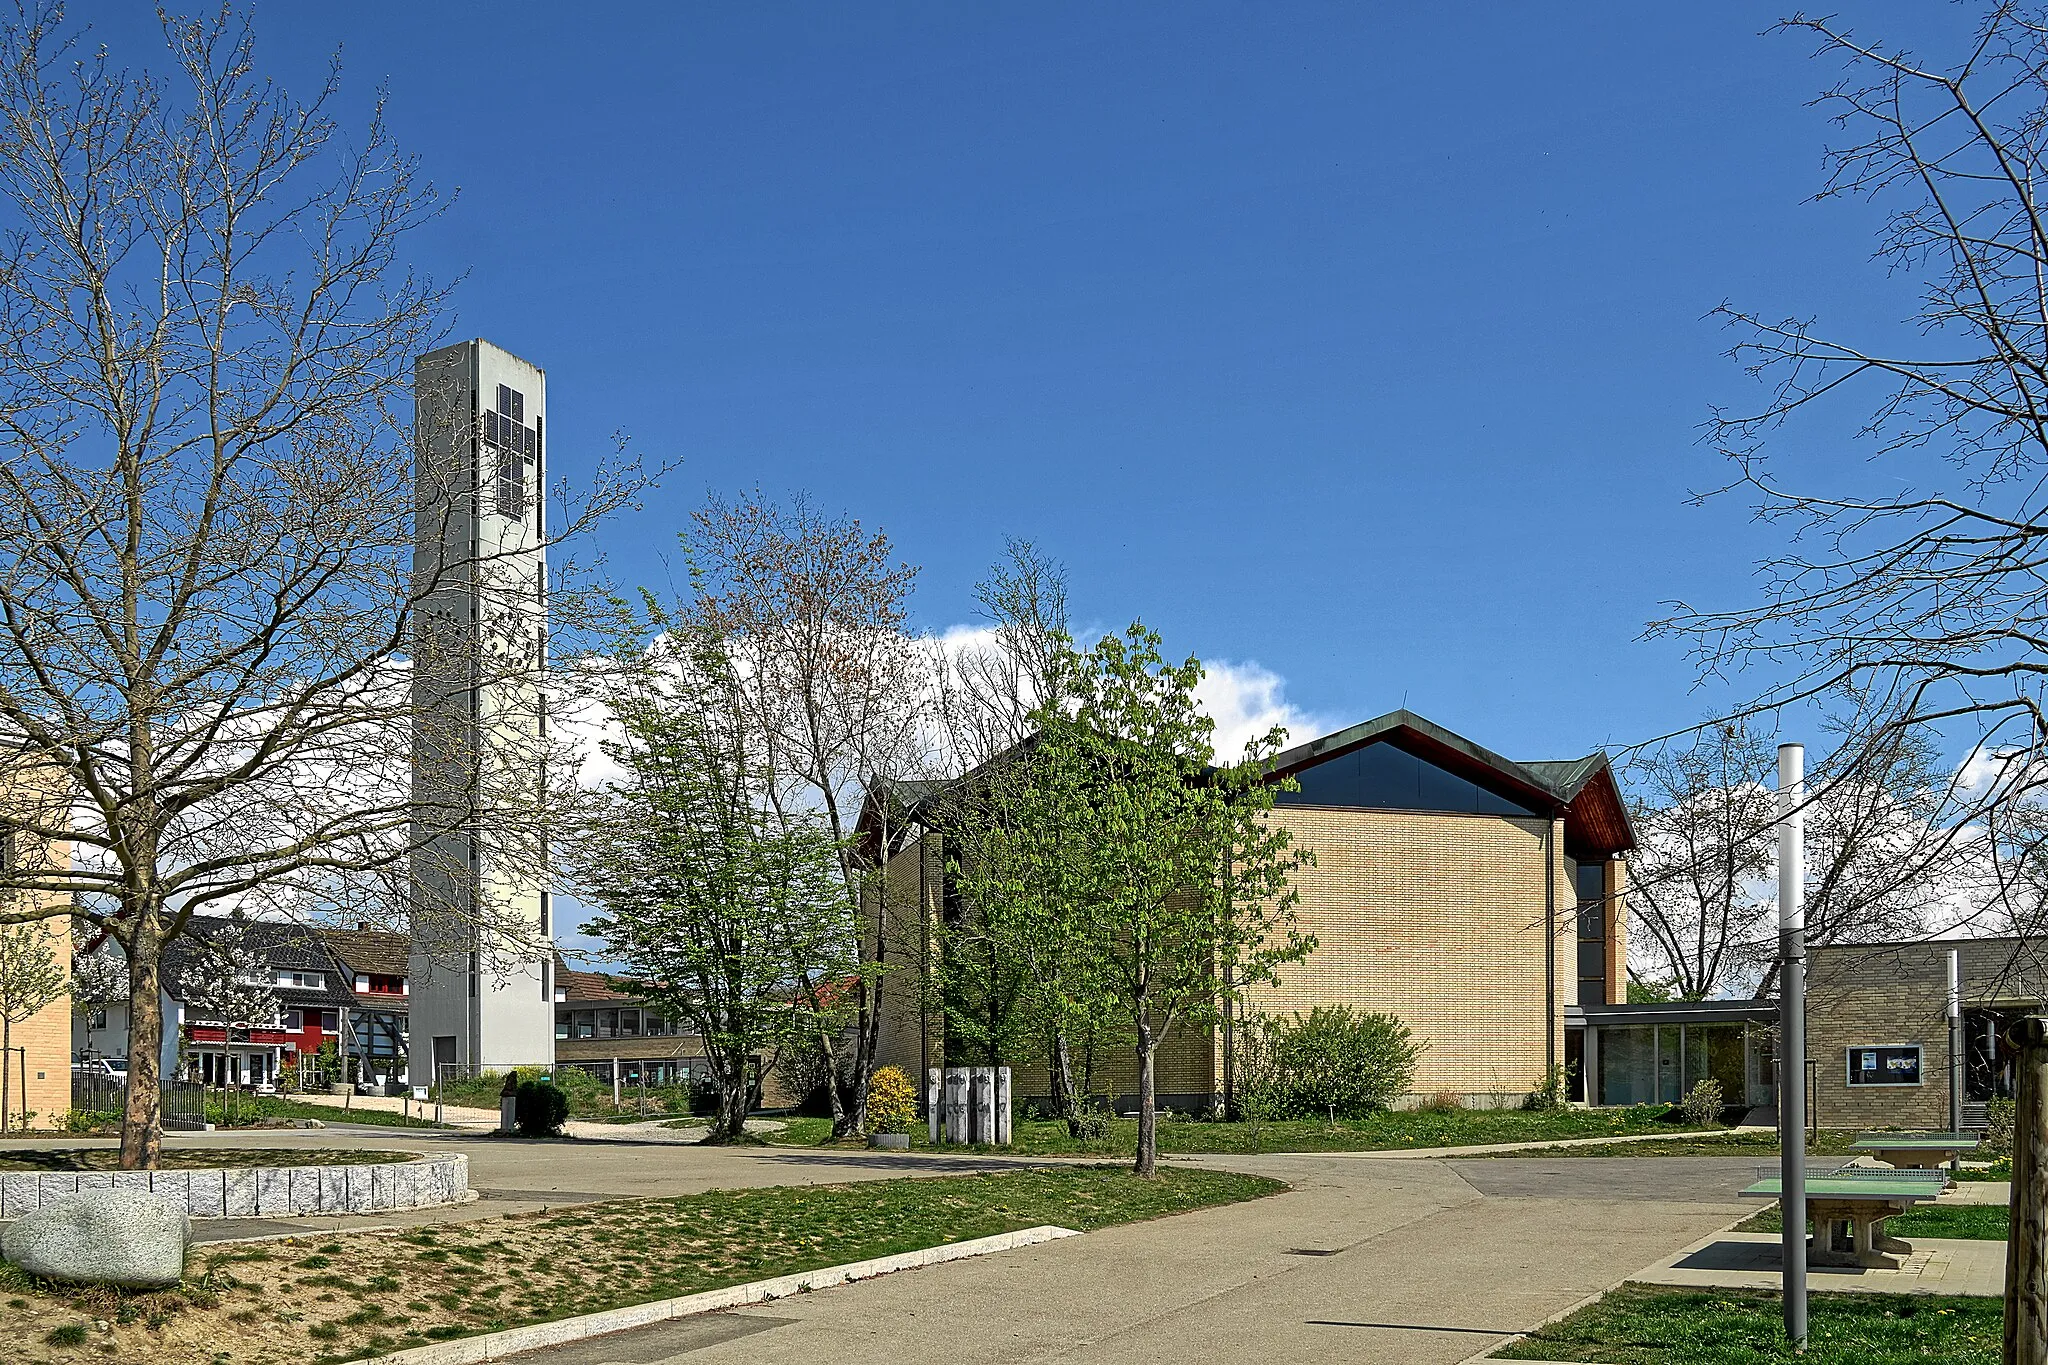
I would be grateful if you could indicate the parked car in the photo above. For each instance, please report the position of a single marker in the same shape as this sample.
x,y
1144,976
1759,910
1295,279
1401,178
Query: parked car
x,y
114,1067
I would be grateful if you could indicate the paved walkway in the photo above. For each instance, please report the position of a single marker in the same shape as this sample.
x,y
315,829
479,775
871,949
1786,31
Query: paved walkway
x,y
1750,1260
1423,1262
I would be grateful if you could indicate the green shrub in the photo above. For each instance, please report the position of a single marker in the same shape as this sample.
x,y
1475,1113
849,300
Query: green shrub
x,y
1331,1062
1997,1129
1553,1090
539,1109
70,1334
1702,1103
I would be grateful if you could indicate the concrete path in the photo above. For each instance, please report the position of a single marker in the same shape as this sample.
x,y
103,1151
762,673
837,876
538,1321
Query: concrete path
x,y
1362,1261
1750,1260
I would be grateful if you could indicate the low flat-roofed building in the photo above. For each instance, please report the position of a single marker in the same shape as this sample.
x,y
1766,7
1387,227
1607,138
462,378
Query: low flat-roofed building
x,y
1878,1035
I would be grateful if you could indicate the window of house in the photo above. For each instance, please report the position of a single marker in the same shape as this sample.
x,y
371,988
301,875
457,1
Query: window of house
x,y
1591,882
1385,776
310,981
582,1021
561,1027
292,1021
607,1023
330,1020
629,1023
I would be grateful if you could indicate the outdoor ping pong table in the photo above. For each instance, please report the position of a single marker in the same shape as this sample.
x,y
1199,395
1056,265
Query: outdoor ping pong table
x,y
1849,1206
1915,1151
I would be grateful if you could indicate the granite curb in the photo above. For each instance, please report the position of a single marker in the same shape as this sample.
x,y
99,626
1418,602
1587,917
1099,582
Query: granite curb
x,y
260,1191
498,1345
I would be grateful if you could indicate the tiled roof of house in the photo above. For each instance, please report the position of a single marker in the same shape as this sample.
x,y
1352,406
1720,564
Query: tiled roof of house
x,y
585,987
370,950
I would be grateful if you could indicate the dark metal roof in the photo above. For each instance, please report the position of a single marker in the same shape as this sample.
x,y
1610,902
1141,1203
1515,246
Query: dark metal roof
x,y
281,944
1683,1012
1583,790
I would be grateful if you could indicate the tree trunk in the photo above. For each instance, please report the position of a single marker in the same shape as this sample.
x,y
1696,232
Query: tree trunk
x,y
6,1061
850,1117
1062,1082
142,1119
834,1097
733,1094
1148,1119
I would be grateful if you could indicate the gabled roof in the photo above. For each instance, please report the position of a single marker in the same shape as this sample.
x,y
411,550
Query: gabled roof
x,y
1582,790
281,945
370,950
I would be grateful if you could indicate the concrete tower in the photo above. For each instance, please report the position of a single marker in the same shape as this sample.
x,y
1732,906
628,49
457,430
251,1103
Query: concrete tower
x,y
482,955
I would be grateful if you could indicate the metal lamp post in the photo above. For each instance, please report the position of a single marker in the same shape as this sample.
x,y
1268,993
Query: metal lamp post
x,y
1792,1032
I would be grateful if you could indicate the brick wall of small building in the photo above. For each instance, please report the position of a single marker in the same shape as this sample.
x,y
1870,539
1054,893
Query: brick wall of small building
x,y
1439,920
46,1036
1896,994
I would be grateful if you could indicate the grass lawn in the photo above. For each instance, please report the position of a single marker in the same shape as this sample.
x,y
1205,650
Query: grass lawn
x,y
1966,1222
1640,1325
250,1111
187,1158
256,1111
1383,1131
328,1297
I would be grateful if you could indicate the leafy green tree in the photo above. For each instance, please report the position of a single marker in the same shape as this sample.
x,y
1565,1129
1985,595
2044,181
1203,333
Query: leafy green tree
x,y
1173,884
1014,977
723,907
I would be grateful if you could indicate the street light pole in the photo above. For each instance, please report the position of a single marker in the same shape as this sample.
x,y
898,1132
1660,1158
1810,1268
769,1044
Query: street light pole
x,y
1792,1033
1955,1052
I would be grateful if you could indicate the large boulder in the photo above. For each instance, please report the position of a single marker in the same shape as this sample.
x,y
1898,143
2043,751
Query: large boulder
x,y
110,1236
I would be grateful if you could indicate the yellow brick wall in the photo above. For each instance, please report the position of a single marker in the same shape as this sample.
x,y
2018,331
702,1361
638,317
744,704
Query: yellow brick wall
x,y
1437,919
46,1035
1440,921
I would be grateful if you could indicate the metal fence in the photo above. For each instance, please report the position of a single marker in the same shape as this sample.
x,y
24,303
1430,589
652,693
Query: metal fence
x,y
184,1102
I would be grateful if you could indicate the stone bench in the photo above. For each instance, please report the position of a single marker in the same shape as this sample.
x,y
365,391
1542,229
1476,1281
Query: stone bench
x,y
260,1191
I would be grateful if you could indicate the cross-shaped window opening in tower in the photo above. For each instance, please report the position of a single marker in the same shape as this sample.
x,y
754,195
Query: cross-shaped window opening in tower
x,y
516,446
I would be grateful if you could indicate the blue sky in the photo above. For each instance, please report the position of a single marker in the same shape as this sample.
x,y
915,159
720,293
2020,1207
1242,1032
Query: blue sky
x,y
1362,344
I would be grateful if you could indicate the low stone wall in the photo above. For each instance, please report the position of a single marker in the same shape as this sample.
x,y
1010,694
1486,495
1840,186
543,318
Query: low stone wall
x,y
260,1191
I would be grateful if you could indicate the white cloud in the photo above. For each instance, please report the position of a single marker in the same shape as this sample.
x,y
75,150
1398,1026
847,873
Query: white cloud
x,y
1248,699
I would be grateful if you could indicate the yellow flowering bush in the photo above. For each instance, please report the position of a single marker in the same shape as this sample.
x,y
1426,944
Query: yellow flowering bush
x,y
892,1102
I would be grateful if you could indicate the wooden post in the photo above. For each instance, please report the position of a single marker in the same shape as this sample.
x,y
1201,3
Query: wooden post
x,y
2026,1270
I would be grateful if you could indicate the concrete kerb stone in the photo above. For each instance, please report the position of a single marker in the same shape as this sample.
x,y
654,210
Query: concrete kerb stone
x,y
499,1345
260,1191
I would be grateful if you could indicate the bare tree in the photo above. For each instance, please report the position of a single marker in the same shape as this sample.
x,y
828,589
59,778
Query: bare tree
x,y
987,689
1910,591
814,610
1697,877
209,602
1880,864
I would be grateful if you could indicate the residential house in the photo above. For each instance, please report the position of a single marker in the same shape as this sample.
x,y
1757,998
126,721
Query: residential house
x,y
372,964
